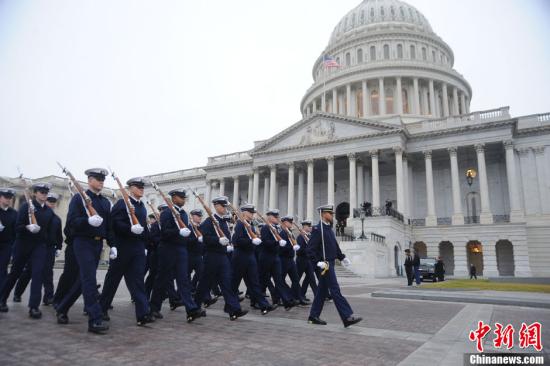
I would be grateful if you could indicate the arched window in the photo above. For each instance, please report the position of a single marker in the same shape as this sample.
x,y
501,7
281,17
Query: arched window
x,y
433,56
399,51
359,55
392,10
402,12
363,16
389,101
424,54
405,99
374,102
413,52
353,20
338,60
372,53
348,59
382,12
372,12
386,52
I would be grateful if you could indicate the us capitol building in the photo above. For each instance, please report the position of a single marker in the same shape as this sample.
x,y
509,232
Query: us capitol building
x,y
389,139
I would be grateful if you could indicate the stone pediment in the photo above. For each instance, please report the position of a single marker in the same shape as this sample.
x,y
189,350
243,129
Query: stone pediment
x,y
322,128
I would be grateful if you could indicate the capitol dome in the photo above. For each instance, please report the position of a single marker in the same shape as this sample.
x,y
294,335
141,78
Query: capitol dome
x,y
391,63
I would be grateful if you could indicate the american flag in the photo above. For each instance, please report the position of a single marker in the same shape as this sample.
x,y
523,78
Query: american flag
x,y
329,61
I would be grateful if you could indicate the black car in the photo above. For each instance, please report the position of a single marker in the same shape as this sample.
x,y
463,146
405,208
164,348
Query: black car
x,y
427,268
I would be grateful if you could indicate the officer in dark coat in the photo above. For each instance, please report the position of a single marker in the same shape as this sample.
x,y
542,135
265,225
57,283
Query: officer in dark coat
x,y
152,251
270,262
70,270
52,251
244,261
409,267
288,265
30,247
303,264
88,232
324,250
439,270
217,265
195,247
8,218
130,262
173,259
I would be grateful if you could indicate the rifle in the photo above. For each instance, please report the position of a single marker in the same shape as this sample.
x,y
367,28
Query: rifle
x,y
215,222
271,228
290,236
175,213
87,201
131,209
248,227
28,198
302,232
155,212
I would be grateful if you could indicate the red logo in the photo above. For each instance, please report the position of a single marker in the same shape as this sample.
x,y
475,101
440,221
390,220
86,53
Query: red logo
x,y
529,335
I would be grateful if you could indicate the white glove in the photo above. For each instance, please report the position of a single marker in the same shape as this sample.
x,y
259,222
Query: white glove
x,y
95,220
57,252
296,248
146,252
113,253
185,232
256,241
282,242
137,229
1,228
33,228
223,241
200,239
321,265
229,248
346,262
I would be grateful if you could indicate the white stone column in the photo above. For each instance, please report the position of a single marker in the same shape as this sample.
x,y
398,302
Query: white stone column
x,y
208,193
431,218
468,106
266,192
486,216
348,100
425,108
375,183
250,193
366,99
382,97
256,188
273,186
290,205
235,191
335,101
416,97
490,259
516,213
308,110
360,183
455,102
222,186
314,109
399,178
301,194
406,210
310,183
324,102
432,98
399,95
445,99
352,184
542,165
330,180
458,216
463,102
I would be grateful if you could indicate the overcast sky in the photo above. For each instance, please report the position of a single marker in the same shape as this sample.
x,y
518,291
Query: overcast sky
x,y
157,86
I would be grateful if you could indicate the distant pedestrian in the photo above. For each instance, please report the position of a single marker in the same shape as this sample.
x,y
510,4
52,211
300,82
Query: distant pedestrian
x,y
439,270
409,267
473,271
416,267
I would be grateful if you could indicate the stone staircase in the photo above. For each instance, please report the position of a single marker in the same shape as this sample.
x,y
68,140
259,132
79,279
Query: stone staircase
x,y
343,272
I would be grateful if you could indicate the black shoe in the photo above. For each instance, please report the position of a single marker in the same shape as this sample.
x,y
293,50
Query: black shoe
x,y
98,327
306,299
240,293
254,306
238,314
48,301
106,316
176,304
351,320
303,303
156,314
35,313
318,321
290,305
195,314
3,307
267,309
62,318
16,298
210,302
146,319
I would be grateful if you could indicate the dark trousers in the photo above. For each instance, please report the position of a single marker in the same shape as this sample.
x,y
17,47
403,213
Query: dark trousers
x,y
172,263
328,282
5,256
33,253
217,271
47,277
129,264
87,252
304,266
245,267
152,260
288,268
68,277
410,275
270,267
196,265
473,275
417,275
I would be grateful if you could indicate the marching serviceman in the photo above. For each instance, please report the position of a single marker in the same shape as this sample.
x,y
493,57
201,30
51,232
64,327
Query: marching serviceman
x,y
33,228
244,261
131,236
324,250
173,258
217,266
8,217
195,248
288,265
70,270
303,264
89,223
